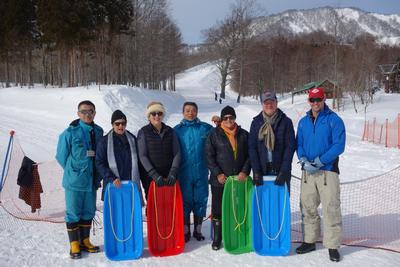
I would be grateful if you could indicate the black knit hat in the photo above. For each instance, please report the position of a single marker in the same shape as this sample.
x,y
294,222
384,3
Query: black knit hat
x,y
117,115
228,110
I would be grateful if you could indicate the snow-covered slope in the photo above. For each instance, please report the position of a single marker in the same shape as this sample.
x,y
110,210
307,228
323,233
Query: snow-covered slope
x,y
351,22
38,115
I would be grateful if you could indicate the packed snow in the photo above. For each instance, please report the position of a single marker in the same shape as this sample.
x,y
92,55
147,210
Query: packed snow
x,y
39,115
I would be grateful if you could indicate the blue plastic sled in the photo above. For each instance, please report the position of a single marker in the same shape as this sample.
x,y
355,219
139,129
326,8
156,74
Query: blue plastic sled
x,y
123,230
271,219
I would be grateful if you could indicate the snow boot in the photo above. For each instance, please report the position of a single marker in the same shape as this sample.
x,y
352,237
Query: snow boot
x,y
85,245
305,248
73,235
197,228
186,222
217,226
334,255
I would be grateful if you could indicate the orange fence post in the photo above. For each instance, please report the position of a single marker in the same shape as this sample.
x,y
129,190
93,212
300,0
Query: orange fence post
x,y
387,133
373,131
398,130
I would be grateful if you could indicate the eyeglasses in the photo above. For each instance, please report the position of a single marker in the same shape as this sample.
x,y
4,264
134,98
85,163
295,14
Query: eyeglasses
x,y
313,100
87,112
117,123
156,113
231,118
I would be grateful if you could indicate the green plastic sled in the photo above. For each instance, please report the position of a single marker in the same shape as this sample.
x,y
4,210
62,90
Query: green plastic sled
x,y
236,215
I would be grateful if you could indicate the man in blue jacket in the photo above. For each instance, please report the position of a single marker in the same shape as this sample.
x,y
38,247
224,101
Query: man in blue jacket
x,y
321,138
193,173
271,143
75,153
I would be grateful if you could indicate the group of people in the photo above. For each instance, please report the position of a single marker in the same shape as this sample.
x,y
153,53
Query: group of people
x,y
196,154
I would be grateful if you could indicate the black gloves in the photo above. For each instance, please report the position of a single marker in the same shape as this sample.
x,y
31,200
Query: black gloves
x,y
282,177
257,179
171,180
159,181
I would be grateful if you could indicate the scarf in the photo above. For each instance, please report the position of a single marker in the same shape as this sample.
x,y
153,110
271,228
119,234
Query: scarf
x,y
231,137
266,132
112,163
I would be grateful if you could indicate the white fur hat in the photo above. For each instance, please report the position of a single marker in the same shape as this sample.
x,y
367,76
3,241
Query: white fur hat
x,y
155,107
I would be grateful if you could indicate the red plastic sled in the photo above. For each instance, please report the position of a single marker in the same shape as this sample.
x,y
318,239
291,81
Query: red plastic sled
x,y
165,233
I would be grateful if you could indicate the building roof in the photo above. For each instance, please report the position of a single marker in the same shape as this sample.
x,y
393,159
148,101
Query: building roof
x,y
387,68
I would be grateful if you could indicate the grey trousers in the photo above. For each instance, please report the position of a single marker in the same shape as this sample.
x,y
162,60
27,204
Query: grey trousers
x,y
321,188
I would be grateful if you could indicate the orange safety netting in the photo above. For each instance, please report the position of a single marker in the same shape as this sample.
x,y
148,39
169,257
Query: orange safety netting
x,y
387,133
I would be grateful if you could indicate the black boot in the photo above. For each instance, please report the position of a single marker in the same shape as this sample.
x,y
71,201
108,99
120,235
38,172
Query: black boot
x,y
197,228
217,226
85,245
186,222
334,255
305,248
73,235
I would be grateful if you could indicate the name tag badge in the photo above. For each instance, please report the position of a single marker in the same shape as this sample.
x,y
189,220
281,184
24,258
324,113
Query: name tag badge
x,y
90,153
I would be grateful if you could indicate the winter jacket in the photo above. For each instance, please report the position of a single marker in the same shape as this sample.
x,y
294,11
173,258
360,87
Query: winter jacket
x,y
159,153
220,156
123,158
324,138
192,136
285,145
71,154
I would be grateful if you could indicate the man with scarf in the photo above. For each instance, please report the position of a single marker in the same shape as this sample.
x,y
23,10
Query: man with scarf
x,y
227,155
117,155
193,173
271,142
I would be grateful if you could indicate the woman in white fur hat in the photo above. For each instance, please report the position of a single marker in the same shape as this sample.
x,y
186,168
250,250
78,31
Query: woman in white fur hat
x,y
159,150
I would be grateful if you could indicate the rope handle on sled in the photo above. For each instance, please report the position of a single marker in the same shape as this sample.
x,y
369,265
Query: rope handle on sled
x,y
111,220
245,207
173,214
283,218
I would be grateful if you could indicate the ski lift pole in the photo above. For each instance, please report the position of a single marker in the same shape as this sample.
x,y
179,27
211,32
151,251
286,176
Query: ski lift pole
x,y
5,164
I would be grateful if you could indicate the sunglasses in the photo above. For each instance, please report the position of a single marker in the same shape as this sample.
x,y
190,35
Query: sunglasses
x,y
123,123
156,113
231,118
313,100
87,112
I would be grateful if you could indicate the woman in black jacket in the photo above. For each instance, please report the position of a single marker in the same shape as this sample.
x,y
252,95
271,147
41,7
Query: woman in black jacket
x,y
159,150
227,155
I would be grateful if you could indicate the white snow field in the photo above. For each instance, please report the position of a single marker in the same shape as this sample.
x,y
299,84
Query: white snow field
x,y
39,115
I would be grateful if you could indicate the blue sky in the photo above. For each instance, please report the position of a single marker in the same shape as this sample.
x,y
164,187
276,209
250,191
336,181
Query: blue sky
x,y
192,16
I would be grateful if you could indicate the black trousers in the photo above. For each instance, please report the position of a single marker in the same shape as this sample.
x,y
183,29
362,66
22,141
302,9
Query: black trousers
x,y
216,201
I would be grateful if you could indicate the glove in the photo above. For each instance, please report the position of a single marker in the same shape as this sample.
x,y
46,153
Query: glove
x,y
302,161
282,177
257,179
310,167
159,181
317,163
171,180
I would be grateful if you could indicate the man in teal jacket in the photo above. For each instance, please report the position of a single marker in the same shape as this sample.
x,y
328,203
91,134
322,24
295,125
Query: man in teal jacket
x,y
75,153
193,172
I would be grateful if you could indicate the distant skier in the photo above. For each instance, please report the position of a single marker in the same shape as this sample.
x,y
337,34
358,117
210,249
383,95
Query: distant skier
x,y
193,172
216,96
76,155
321,138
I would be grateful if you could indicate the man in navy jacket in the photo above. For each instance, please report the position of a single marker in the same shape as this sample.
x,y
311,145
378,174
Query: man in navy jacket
x,y
271,143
